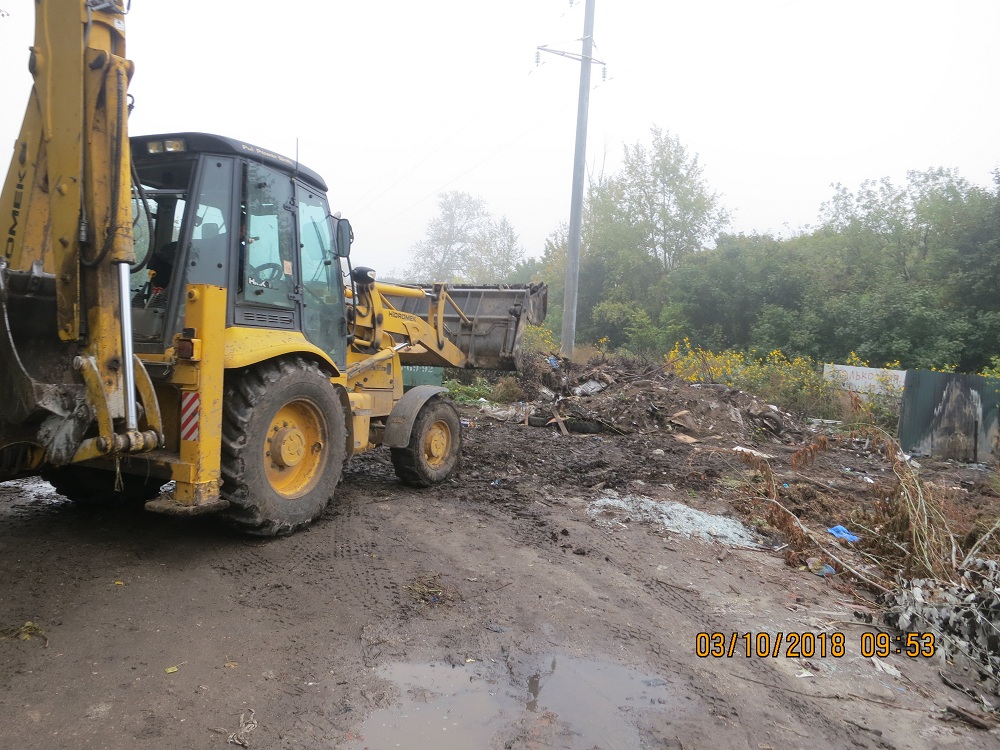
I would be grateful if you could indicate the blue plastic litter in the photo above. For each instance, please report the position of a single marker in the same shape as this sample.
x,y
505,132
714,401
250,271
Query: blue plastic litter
x,y
841,533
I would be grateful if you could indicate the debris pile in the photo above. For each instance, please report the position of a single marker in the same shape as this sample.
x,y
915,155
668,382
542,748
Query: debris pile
x,y
609,397
848,506
964,617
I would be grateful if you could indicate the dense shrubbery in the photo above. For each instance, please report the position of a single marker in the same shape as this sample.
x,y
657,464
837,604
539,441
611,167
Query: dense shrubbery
x,y
893,272
795,384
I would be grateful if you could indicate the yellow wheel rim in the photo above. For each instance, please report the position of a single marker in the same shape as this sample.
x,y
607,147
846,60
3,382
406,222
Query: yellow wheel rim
x,y
295,449
437,444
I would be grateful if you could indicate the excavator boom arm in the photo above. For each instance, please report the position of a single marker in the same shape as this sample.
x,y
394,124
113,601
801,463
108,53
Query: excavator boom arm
x,y
64,323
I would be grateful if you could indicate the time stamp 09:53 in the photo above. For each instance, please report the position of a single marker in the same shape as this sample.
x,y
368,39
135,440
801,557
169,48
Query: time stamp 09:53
x,y
794,644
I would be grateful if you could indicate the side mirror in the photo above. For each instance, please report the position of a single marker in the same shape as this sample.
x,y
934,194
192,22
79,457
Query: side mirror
x,y
345,236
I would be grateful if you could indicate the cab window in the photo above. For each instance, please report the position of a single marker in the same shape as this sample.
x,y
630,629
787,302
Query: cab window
x,y
267,236
322,298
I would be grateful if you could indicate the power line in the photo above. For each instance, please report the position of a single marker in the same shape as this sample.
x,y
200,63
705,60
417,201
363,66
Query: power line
x,y
541,121
491,104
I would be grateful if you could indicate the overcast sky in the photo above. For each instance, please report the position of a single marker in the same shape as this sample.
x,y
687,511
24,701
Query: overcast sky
x,y
395,101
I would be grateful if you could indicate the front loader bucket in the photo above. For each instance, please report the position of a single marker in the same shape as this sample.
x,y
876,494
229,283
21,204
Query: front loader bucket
x,y
485,322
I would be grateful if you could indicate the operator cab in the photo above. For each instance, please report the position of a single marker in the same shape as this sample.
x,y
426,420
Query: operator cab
x,y
213,210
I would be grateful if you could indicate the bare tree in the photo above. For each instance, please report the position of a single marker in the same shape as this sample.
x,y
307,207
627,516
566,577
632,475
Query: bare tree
x,y
464,243
496,254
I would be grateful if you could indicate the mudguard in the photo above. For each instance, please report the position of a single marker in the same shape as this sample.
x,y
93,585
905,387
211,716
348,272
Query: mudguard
x,y
404,414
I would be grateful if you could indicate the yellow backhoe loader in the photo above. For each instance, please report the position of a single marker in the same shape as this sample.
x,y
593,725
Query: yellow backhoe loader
x,y
180,322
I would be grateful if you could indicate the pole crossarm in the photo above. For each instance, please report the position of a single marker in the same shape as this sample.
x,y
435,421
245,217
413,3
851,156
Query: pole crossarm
x,y
571,55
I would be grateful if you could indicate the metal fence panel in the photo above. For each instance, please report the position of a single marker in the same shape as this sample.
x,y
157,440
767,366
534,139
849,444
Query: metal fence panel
x,y
951,416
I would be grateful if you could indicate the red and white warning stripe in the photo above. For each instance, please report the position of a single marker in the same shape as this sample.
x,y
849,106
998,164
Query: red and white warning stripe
x,y
190,415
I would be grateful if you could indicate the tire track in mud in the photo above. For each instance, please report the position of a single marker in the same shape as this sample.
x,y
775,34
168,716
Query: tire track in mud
x,y
671,653
338,559
333,599
779,705
533,529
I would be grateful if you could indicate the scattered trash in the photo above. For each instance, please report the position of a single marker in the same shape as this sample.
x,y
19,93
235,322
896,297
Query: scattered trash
x,y
429,590
171,670
768,417
247,725
684,419
752,452
545,394
24,633
685,438
119,583
557,418
655,682
511,413
819,568
841,533
890,670
897,688
965,615
612,510
495,628
659,452
590,388
495,483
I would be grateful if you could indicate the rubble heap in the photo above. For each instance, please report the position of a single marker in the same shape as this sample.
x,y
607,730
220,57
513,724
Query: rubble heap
x,y
964,616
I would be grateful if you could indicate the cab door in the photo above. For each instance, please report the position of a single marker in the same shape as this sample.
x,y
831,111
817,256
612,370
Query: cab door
x,y
265,279
321,288
288,274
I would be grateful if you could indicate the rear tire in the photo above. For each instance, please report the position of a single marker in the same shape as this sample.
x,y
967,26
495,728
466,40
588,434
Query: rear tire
x,y
89,486
283,446
434,452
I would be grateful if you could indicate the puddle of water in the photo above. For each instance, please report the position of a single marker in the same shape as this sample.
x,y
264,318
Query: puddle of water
x,y
582,702
439,707
592,701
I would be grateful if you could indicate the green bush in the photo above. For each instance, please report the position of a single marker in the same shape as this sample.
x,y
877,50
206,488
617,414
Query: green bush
x,y
469,393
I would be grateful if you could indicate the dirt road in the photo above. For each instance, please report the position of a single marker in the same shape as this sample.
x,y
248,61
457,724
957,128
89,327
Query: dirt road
x,y
494,611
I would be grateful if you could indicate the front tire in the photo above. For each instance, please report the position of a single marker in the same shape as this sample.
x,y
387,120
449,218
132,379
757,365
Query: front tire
x,y
283,446
435,448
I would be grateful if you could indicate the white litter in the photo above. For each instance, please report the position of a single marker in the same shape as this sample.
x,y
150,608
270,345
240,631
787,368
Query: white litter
x,y
613,510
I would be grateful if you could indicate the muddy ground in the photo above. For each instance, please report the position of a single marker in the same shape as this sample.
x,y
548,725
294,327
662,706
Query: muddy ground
x,y
495,611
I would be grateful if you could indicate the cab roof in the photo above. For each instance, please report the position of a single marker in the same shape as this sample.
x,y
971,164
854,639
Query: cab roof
x,y
197,143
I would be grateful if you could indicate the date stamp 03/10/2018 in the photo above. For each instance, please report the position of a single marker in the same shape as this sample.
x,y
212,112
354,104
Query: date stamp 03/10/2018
x,y
807,645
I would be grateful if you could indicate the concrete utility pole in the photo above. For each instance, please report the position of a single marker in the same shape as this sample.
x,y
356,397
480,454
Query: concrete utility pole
x,y
576,206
